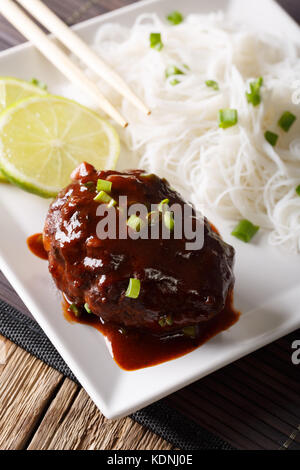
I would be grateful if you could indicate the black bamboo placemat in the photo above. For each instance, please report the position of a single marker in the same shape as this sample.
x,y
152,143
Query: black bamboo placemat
x,y
251,404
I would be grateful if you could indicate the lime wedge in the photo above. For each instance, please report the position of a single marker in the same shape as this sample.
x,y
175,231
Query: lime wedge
x,y
12,90
43,138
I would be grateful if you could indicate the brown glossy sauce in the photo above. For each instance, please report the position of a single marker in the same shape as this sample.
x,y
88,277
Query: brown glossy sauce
x,y
134,349
137,349
36,246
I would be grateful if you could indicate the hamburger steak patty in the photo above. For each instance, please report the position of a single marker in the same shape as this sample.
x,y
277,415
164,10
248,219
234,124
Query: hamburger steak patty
x,y
187,287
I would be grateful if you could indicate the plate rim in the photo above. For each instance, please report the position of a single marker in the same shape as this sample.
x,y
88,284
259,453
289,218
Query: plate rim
x,y
29,301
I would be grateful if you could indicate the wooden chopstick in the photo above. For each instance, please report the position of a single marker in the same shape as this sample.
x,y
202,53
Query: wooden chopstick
x,y
75,44
54,54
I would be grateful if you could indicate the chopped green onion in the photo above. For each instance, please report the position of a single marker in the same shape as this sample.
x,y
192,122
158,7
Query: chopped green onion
x,y
103,185
166,320
254,95
105,198
271,138
90,185
148,175
161,205
298,190
228,118
175,18
286,121
75,310
189,331
173,70
156,42
135,223
245,231
169,320
112,203
169,220
212,84
174,81
134,287
87,308
36,82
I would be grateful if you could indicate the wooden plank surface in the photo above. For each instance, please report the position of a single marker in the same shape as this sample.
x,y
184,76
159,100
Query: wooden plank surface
x,y
71,11
73,422
254,403
40,409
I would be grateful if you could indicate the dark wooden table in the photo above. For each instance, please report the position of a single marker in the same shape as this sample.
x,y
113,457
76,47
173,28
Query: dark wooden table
x,y
253,403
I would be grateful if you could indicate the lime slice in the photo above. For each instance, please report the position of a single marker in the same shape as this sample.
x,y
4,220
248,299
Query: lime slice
x,y
12,90
2,178
43,138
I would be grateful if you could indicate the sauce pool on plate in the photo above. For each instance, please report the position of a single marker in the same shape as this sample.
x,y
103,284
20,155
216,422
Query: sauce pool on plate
x,y
36,246
135,349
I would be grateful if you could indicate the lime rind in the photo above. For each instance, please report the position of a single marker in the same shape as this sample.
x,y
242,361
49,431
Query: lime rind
x,y
24,90
2,178
30,188
31,183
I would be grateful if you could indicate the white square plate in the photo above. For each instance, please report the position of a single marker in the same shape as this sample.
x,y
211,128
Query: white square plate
x,y
267,287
